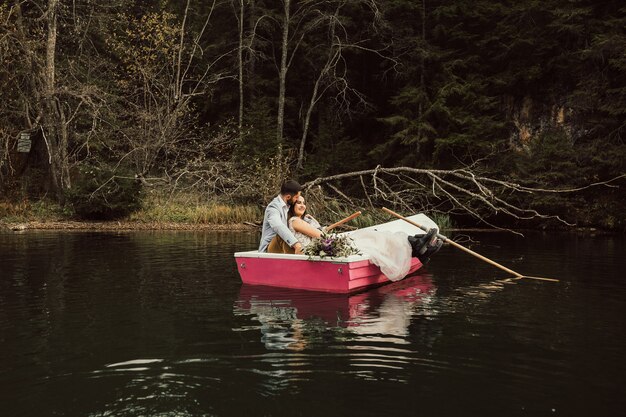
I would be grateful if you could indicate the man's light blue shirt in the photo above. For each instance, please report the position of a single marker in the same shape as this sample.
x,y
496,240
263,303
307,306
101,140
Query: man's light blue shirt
x,y
275,222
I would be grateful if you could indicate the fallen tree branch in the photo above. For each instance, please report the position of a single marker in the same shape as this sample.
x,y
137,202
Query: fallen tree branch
x,y
460,190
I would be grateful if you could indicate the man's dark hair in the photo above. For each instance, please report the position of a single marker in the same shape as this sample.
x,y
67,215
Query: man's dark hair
x,y
290,187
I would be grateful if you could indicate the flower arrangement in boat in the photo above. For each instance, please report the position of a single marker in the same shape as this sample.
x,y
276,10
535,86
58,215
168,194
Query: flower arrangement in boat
x,y
331,245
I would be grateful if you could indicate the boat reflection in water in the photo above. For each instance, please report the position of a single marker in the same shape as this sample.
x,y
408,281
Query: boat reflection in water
x,y
294,319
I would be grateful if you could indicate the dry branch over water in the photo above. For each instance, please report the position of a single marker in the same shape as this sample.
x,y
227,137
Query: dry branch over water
x,y
463,190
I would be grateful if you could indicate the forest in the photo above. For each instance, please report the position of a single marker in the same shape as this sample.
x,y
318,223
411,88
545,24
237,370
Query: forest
x,y
508,113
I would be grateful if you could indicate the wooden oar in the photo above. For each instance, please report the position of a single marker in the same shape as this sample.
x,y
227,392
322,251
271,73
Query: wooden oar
x,y
347,219
471,252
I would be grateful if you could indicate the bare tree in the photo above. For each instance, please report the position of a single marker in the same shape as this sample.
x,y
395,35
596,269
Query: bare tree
x,y
161,79
240,20
245,13
333,56
318,25
304,19
420,107
332,75
42,99
282,74
55,118
35,86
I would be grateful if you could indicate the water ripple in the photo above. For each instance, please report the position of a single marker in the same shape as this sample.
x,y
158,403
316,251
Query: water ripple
x,y
159,324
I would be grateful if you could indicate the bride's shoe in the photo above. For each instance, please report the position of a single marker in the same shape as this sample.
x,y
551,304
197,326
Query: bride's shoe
x,y
425,246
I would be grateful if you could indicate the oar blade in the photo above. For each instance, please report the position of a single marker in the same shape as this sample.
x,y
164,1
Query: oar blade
x,y
540,278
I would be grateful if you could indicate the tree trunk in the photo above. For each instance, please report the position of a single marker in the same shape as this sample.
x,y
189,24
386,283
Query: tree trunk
x,y
282,78
56,137
307,120
240,62
330,62
251,56
179,84
420,107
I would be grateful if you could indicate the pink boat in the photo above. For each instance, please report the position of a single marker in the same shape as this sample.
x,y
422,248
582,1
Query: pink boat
x,y
336,275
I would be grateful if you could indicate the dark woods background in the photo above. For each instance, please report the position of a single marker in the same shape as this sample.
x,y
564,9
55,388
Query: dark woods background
x,y
224,99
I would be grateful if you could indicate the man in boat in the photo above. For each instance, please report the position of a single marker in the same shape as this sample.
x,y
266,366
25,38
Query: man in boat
x,y
275,235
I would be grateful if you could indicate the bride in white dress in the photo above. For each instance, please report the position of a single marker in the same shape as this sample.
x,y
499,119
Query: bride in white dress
x,y
392,252
303,226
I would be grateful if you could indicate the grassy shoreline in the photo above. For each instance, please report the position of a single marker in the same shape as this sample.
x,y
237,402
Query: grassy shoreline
x,y
249,227
156,214
186,215
122,225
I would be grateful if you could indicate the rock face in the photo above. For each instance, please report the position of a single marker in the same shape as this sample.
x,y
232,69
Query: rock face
x,y
532,119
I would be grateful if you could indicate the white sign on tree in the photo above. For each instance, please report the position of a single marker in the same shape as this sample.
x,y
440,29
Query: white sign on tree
x,y
24,143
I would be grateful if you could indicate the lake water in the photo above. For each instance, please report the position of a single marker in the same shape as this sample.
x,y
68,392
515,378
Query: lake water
x,y
158,324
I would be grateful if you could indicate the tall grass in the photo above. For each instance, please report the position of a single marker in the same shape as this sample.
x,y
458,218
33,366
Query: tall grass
x,y
194,209
442,220
24,210
187,209
10,210
156,209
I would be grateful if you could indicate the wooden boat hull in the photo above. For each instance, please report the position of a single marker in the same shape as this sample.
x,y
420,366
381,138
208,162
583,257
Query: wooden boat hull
x,y
345,275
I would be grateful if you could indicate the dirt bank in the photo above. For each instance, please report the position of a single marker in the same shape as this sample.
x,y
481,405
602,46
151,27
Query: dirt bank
x,y
122,226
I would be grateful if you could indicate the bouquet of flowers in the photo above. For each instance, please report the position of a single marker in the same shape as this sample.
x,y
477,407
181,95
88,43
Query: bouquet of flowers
x,y
332,245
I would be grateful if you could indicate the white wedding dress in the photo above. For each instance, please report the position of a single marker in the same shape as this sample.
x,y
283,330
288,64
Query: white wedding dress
x,y
302,238
390,251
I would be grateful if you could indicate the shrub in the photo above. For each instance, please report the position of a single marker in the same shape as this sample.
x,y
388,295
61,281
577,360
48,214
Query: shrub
x,y
100,193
